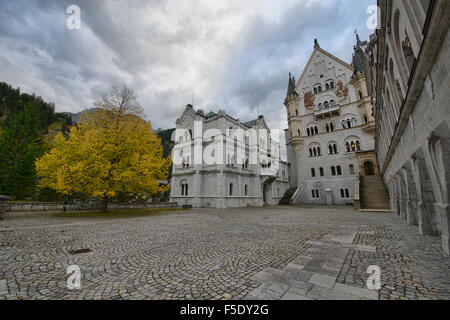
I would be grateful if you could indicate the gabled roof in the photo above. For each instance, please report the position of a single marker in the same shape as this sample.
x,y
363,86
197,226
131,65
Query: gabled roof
x,y
210,115
251,123
317,48
188,110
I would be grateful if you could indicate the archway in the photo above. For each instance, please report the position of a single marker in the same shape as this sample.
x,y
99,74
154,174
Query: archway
x,y
428,218
369,169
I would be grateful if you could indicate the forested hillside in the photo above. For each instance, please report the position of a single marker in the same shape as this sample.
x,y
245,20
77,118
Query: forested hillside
x,y
166,141
27,126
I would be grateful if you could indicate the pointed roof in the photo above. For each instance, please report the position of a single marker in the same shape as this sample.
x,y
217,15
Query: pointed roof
x,y
291,86
317,48
252,123
358,57
210,115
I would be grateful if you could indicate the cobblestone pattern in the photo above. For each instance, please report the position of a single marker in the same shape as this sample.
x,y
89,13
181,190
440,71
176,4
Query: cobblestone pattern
x,y
197,254
412,266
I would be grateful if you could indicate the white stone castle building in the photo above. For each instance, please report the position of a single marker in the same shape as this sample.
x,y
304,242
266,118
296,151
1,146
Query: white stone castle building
x,y
408,59
330,139
243,172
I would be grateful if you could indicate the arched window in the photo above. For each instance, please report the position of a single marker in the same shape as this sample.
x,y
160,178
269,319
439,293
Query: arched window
x,y
326,105
332,85
246,190
332,148
360,95
366,120
333,171
315,151
190,133
332,103
327,86
315,90
316,130
184,188
296,112
344,124
352,169
313,172
408,52
347,145
331,126
310,152
298,131
354,122
319,88
339,170
308,132
399,90
231,189
358,145
327,127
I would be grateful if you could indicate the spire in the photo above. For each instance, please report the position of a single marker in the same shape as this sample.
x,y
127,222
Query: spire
x,y
291,86
358,56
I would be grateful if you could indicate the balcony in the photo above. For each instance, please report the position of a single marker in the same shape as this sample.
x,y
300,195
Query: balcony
x,y
328,111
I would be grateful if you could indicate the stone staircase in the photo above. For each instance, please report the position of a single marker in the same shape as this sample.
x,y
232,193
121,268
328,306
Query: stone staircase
x,y
373,193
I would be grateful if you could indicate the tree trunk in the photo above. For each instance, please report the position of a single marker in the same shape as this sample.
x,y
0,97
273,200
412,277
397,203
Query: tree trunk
x,y
105,204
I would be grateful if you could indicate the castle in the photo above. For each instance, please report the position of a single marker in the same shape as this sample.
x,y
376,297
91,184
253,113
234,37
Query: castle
x,y
221,162
330,139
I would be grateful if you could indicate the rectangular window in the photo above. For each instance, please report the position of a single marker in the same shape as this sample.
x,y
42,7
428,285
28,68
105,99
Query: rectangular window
x,y
342,193
313,193
313,172
347,193
321,172
317,194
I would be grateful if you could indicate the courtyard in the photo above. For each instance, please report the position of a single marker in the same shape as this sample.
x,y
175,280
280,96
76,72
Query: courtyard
x,y
294,253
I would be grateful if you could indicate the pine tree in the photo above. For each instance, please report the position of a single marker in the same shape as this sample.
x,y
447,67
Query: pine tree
x,y
20,144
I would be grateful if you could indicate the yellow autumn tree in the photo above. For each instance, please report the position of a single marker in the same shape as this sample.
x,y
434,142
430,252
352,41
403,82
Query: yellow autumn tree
x,y
111,150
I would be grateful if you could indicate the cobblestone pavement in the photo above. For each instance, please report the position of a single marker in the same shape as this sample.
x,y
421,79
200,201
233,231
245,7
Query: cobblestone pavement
x,y
266,253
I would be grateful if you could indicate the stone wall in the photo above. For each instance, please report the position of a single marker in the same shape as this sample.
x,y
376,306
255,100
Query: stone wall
x,y
413,136
53,206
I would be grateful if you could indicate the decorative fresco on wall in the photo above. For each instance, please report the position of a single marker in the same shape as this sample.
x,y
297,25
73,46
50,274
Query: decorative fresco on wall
x,y
309,99
341,90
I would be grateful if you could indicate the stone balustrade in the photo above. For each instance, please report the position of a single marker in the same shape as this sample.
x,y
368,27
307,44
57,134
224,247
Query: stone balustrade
x,y
58,206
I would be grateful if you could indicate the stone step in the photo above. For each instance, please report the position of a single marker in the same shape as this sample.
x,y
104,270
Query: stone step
x,y
373,193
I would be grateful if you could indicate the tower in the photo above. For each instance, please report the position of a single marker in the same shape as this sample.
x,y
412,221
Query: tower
x,y
292,103
359,82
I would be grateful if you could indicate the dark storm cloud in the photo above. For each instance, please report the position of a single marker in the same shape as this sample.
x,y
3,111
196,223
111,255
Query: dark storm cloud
x,y
232,55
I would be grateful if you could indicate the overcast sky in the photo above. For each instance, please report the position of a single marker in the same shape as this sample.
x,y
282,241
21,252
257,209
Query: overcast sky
x,y
233,55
